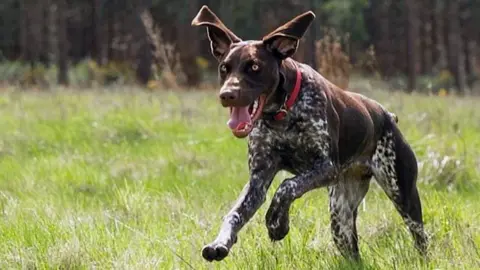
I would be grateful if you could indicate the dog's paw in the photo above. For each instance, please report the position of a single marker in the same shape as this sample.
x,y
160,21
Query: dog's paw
x,y
214,251
278,233
278,226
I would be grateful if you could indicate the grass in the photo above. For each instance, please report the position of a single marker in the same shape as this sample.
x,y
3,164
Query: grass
x,y
135,180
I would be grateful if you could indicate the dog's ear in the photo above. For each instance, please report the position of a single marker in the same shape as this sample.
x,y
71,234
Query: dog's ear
x,y
219,35
284,40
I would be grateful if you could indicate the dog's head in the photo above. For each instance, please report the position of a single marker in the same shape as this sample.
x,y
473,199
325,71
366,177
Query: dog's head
x,y
250,70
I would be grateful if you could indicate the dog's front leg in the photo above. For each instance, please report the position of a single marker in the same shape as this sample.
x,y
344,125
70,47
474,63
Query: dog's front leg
x,y
262,171
322,174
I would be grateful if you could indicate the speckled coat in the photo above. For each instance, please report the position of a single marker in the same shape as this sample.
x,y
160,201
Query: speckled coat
x,y
330,138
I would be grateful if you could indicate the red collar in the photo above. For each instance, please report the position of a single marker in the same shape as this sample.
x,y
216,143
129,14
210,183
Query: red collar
x,y
282,112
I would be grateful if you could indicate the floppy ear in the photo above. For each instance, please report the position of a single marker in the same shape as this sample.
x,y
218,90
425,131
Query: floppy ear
x,y
284,40
219,35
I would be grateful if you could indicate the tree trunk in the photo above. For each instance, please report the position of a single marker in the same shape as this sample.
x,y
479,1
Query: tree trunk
x,y
110,34
426,37
117,37
455,47
45,32
62,42
24,31
398,33
123,32
96,25
190,51
144,54
434,32
412,37
312,40
53,32
34,17
468,39
379,25
447,35
439,40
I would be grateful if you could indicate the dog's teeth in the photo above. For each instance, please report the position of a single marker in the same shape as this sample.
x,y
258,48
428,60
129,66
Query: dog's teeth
x,y
255,105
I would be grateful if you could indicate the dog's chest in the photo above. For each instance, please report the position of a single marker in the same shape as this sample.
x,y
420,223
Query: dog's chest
x,y
301,140
299,145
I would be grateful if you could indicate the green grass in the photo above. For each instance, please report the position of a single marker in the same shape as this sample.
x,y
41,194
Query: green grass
x,y
136,180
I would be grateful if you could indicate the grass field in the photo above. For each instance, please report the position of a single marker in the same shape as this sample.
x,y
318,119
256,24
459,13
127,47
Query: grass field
x,y
137,180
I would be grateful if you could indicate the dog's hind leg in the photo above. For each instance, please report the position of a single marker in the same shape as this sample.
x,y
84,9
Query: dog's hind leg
x,y
345,198
394,166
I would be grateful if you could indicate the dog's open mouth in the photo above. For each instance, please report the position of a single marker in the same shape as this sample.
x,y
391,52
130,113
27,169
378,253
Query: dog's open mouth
x,y
242,118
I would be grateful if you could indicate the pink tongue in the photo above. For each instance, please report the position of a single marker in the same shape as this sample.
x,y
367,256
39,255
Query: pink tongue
x,y
237,116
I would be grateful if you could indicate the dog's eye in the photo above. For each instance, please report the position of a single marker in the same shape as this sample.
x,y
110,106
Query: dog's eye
x,y
223,68
253,67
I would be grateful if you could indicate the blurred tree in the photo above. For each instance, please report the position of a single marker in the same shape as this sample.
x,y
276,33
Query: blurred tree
x,y
412,38
347,16
10,18
425,15
435,36
438,31
454,44
380,31
63,43
467,9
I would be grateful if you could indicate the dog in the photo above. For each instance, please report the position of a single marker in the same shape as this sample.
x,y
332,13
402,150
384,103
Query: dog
x,y
296,120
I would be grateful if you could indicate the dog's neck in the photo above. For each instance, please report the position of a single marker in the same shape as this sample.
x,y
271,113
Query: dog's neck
x,y
288,75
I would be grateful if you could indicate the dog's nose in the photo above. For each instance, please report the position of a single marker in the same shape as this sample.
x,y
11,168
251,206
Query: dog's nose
x,y
228,95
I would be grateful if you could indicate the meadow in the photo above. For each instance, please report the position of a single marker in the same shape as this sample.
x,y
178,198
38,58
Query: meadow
x,y
130,179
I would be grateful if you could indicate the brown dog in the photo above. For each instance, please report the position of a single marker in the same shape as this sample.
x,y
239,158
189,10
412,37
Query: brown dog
x,y
298,121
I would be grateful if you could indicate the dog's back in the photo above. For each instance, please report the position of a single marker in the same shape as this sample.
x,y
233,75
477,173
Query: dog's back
x,y
360,120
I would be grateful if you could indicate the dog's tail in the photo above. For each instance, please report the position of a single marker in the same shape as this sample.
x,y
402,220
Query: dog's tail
x,y
388,113
393,116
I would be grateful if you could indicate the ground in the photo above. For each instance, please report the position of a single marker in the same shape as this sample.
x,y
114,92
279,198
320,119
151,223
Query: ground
x,y
128,179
